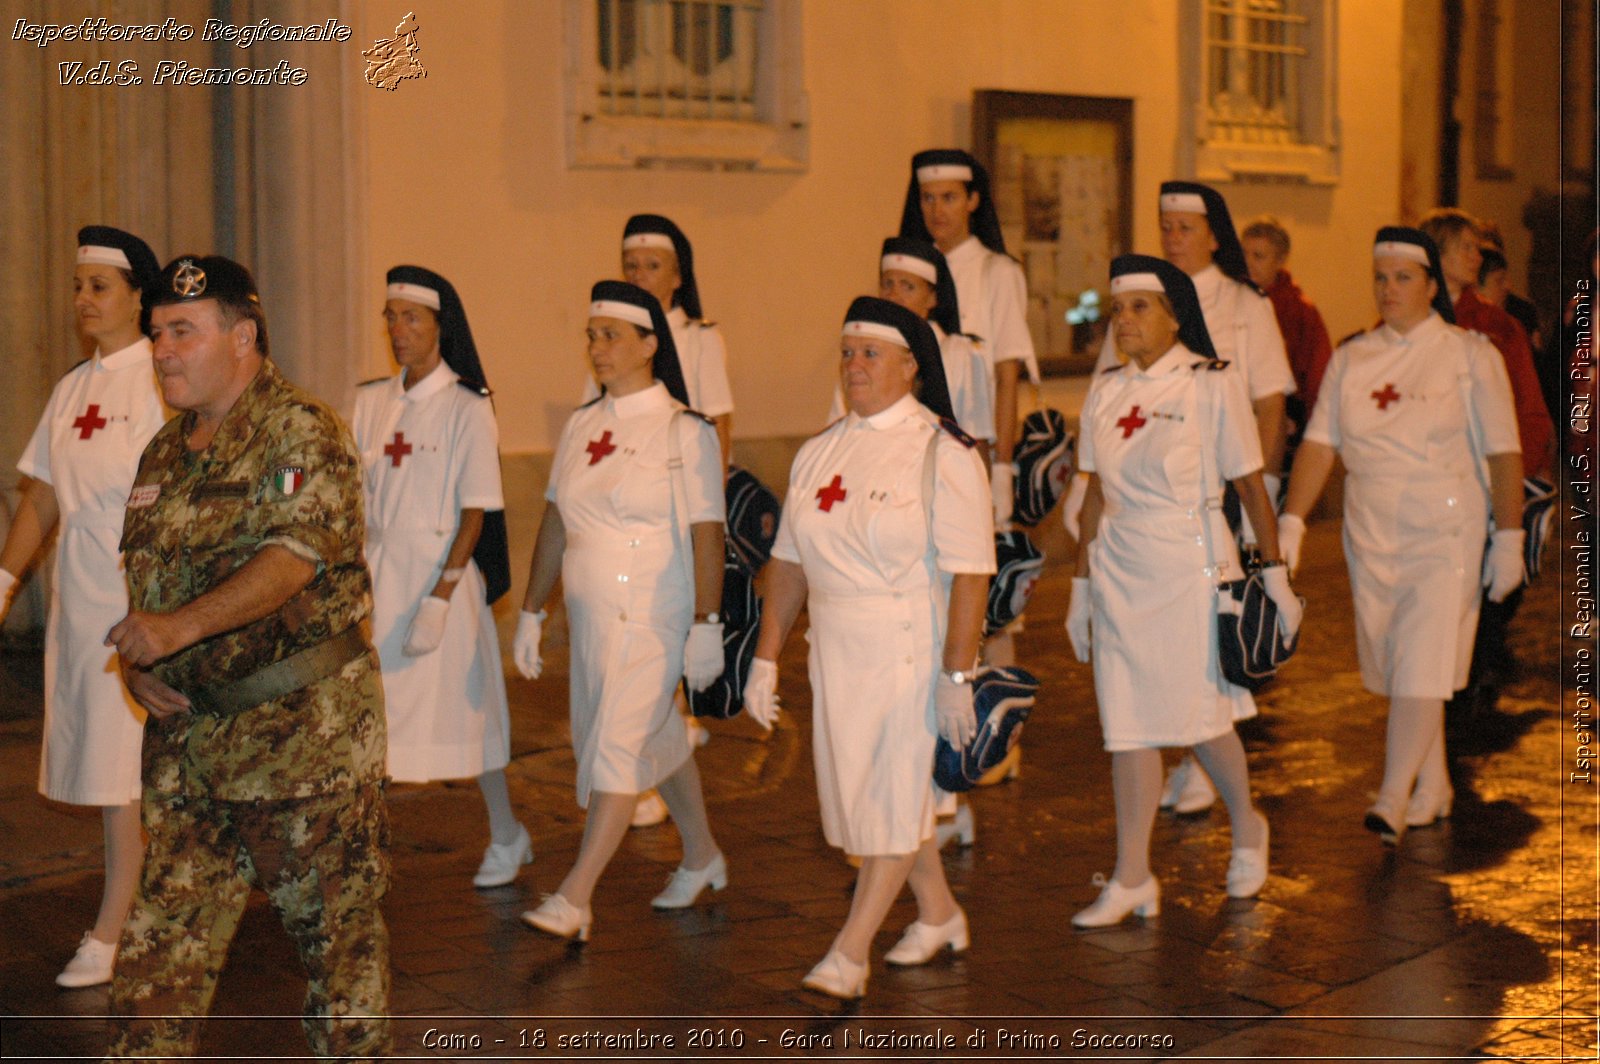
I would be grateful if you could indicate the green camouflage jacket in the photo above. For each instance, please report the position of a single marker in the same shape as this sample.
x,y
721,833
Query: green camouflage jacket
x,y
281,469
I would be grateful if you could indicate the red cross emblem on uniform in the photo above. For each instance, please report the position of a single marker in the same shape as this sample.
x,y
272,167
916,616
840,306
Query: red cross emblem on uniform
x,y
90,421
398,449
831,493
1132,423
598,449
1385,397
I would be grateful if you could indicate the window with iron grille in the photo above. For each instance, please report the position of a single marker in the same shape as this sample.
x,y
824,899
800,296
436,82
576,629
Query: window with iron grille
x,y
1263,75
698,83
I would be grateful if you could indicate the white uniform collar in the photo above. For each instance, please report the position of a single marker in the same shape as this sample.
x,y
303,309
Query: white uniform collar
x,y
938,332
1208,281
1421,331
891,415
644,401
135,352
677,318
968,247
441,378
1177,357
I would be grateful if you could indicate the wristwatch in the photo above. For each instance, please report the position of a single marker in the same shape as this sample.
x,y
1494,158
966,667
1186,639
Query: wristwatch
x,y
957,675
710,618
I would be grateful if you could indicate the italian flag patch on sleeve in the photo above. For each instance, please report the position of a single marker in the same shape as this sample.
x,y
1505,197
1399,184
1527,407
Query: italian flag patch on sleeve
x,y
288,479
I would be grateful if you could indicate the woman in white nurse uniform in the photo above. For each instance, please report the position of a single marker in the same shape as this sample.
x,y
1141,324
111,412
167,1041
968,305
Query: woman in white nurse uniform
x,y
1198,237
895,582
914,274
82,460
657,256
1421,413
948,203
1159,435
633,527
437,549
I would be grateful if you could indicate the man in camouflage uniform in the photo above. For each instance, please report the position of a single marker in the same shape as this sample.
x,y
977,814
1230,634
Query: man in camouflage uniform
x,y
264,751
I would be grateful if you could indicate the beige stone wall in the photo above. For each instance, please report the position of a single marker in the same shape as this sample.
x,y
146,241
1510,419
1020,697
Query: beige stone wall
x,y
465,173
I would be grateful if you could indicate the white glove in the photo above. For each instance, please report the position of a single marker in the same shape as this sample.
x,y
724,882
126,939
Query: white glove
x,y
8,584
1291,534
1282,595
1002,488
703,661
1502,563
761,692
952,706
1072,506
525,645
1078,617
427,627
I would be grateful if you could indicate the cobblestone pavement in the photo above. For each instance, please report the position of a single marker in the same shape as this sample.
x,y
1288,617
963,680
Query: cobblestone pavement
x,y
1476,939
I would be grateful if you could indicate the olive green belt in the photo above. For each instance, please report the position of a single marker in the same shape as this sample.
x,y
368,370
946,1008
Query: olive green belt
x,y
282,677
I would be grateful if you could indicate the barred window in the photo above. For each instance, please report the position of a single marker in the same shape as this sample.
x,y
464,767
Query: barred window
x,y
679,58
713,84
1264,86
1256,55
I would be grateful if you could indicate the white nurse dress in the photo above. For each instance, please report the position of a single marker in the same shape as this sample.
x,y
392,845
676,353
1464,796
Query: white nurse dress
x,y
626,579
878,586
87,447
426,455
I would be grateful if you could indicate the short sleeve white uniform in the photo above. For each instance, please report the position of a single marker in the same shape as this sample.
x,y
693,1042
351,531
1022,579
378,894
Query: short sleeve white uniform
x,y
87,447
426,455
703,357
993,293
628,593
1403,412
1152,578
1243,328
879,585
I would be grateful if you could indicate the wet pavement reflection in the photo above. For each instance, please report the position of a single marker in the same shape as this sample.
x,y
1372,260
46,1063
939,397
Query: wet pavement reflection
x,y
1475,939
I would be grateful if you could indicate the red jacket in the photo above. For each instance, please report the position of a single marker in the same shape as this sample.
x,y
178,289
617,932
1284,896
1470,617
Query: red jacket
x,y
1304,336
1533,420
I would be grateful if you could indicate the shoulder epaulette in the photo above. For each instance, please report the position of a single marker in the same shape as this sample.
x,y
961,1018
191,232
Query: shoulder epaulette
x,y
1212,364
974,339
375,380
706,323
476,389
591,402
950,426
695,413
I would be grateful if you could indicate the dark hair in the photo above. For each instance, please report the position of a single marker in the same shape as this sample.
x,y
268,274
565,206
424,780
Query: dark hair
x,y
233,311
984,222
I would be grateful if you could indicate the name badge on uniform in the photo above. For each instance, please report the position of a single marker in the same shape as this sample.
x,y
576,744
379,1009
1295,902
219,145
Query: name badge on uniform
x,y
222,489
144,495
288,479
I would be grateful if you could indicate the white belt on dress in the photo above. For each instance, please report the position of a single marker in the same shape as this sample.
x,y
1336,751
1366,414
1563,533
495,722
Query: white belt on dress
x,y
375,533
919,591
618,539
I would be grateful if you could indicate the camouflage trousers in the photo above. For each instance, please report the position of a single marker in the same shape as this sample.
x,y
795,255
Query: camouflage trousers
x,y
322,861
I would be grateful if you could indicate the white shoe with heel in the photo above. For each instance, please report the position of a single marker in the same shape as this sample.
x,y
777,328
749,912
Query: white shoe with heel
x,y
501,864
1116,902
923,942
